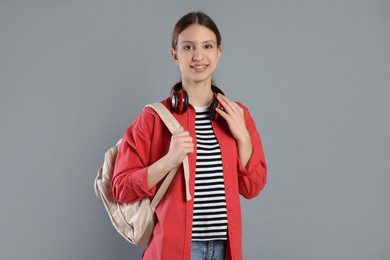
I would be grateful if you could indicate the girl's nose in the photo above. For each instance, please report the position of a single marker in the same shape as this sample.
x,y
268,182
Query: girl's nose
x,y
197,54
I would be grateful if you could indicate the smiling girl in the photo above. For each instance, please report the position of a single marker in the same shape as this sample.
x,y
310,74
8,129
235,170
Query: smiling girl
x,y
224,150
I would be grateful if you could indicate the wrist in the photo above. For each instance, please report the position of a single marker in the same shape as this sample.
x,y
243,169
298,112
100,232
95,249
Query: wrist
x,y
243,139
167,165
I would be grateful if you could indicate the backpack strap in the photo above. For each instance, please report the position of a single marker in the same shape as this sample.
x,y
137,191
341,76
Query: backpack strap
x,y
174,127
167,117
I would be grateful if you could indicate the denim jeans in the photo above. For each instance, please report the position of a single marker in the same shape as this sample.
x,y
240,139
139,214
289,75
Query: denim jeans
x,y
208,250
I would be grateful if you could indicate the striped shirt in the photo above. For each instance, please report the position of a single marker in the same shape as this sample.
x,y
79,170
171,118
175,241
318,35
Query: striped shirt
x,y
210,217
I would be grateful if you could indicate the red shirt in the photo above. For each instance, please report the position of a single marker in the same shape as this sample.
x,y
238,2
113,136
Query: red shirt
x,y
145,141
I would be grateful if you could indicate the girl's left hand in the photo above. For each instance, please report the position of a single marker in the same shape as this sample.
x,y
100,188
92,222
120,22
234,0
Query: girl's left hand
x,y
234,116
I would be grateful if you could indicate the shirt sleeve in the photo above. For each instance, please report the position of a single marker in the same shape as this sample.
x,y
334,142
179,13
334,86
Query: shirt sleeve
x,y
253,177
129,182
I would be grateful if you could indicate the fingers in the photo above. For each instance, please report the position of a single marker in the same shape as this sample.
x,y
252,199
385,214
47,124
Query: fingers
x,y
225,102
229,107
183,136
181,145
234,116
183,140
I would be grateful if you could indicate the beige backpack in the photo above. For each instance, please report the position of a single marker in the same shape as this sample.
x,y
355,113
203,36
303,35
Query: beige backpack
x,y
136,221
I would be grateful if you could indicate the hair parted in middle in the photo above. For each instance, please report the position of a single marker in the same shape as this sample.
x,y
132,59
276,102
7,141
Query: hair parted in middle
x,y
194,18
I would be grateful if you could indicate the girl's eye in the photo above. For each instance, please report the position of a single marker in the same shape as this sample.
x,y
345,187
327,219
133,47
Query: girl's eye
x,y
208,46
188,47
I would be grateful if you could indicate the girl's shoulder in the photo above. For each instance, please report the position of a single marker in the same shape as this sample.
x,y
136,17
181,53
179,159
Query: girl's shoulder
x,y
146,121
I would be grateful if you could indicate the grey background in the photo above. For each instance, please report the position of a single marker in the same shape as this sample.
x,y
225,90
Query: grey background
x,y
314,74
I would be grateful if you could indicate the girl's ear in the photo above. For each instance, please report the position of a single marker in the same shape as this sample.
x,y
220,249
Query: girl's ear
x,y
219,51
174,56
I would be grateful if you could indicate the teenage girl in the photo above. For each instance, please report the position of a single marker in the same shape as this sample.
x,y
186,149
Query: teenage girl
x,y
224,150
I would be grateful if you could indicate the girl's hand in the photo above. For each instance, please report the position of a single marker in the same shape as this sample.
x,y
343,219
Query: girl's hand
x,y
234,116
181,145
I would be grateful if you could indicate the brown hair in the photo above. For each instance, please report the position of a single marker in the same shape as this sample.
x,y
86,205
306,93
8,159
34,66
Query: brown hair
x,y
194,18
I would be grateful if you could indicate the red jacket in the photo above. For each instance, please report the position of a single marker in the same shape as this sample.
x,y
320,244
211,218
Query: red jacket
x,y
145,141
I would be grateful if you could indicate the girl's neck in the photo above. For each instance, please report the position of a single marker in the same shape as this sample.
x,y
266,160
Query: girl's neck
x,y
199,94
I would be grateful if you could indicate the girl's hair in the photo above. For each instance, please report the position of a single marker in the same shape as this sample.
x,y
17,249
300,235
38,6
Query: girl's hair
x,y
194,18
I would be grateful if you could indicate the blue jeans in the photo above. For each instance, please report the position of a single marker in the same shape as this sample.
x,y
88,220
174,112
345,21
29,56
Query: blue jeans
x,y
208,250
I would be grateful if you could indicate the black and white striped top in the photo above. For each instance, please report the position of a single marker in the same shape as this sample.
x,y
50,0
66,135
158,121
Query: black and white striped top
x,y
210,217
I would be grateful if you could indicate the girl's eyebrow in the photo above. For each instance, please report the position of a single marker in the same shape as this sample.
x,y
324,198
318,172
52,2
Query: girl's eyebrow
x,y
191,42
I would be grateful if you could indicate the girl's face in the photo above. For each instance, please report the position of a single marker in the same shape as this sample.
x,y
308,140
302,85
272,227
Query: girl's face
x,y
196,54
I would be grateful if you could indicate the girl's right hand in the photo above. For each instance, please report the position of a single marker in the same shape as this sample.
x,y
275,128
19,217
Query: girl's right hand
x,y
181,145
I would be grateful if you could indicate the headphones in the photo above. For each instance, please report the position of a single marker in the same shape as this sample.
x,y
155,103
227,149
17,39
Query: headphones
x,y
179,101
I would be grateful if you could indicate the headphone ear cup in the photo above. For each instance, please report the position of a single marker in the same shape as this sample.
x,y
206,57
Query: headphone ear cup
x,y
174,100
214,115
185,101
179,101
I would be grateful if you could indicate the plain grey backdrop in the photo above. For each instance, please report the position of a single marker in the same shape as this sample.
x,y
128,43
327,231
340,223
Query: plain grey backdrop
x,y
314,74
